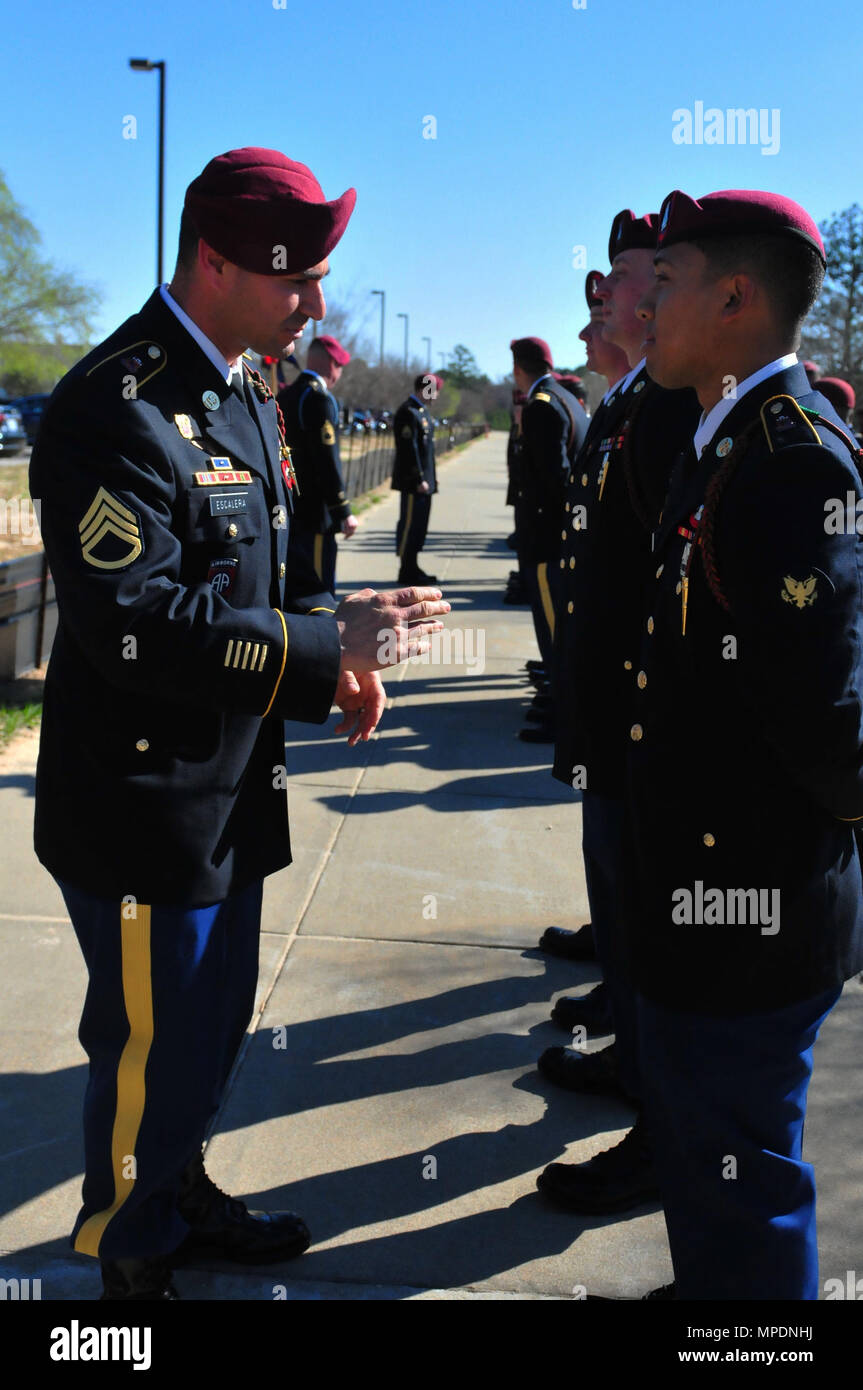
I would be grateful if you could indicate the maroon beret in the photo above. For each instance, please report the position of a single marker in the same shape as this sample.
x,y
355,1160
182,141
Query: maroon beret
x,y
839,393
340,355
592,280
810,366
266,212
631,233
532,350
735,212
422,381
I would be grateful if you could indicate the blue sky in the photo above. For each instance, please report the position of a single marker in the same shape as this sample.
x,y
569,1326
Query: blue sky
x,y
549,119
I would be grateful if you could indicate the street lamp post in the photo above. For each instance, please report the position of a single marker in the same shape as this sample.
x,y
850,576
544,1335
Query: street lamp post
x,y
428,352
383,296
405,317
145,65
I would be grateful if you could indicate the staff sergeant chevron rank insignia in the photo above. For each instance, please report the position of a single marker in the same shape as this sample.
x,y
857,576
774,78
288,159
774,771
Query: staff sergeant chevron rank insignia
x,y
109,527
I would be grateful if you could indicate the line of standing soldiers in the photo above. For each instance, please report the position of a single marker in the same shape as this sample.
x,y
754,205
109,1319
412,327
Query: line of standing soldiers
x,y
707,681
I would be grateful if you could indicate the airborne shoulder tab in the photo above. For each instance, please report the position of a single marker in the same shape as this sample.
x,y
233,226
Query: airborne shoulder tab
x,y
541,396
785,422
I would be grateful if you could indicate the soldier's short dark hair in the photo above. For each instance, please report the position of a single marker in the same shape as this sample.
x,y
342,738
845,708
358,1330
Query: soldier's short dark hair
x,y
788,269
187,250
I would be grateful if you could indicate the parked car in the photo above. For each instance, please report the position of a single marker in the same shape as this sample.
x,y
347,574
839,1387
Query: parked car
x,y
383,420
362,422
13,436
30,409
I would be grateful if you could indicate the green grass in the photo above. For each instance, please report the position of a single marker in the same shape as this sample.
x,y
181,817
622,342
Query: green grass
x,y
13,718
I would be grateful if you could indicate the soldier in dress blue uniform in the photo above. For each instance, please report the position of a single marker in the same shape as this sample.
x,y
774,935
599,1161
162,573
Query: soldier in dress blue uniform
x,y
414,475
746,748
189,629
610,361
553,426
614,494
312,431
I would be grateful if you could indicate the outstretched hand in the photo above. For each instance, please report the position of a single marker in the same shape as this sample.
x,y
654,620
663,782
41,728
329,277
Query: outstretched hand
x,y
380,629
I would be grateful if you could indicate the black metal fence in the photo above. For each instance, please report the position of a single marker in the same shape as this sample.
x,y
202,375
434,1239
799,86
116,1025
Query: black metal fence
x,y
28,607
28,614
367,459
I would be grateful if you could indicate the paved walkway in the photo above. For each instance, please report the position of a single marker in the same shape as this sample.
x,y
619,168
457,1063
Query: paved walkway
x,y
388,1089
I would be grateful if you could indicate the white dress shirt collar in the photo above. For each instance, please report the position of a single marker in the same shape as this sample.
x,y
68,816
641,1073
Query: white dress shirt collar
x,y
709,423
225,369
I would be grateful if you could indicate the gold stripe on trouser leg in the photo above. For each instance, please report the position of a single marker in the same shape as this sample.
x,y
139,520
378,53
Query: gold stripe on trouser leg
x,y
545,595
131,1088
408,522
318,560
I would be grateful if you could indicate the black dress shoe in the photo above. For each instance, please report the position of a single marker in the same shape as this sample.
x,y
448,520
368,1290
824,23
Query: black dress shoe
x,y
541,733
135,1280
417,576
614,1180
655,1295
588,1011
569,945
223,1226
593,1072
533,665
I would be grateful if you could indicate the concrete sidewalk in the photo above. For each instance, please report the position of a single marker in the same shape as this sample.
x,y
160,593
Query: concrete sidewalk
x,y
388,1089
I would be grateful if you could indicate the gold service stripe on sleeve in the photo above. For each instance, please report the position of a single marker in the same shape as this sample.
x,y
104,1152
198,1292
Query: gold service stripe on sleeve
x,y
284,660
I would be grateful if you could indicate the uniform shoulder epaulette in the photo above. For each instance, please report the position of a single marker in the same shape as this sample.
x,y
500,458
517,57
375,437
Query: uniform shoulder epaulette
x,y
541,396
145,356
786,422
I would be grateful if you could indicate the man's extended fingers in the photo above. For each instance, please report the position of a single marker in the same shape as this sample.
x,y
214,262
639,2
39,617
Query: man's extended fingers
x,y
405,597
426,609
424,629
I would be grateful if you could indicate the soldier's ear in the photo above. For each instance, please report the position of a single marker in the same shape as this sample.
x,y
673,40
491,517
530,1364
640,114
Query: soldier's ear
x,y
739,292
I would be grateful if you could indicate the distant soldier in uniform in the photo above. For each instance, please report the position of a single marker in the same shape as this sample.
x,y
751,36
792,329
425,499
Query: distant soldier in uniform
x,y
812,370
841,396
573,384
312,431
414,475
515,591
746,764
553,426
614,495
189,630
610,361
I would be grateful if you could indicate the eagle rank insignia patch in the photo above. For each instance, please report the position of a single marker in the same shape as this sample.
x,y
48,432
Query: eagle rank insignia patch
x,y
801,592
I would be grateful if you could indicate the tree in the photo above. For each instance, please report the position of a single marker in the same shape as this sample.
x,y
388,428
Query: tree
x,y
462,368
833,333
46,314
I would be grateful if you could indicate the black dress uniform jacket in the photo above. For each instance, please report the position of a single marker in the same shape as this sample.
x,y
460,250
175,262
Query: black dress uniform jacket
x,y
185,632
414,435
553,429
746,758
312,431
614,494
